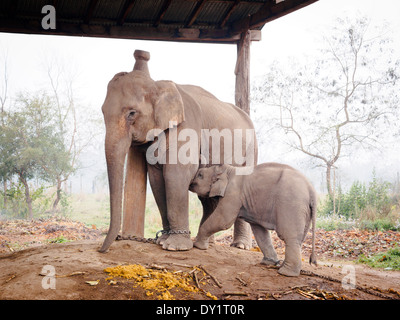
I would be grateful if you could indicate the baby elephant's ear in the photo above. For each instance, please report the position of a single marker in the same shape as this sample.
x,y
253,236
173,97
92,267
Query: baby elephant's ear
x,y
219,182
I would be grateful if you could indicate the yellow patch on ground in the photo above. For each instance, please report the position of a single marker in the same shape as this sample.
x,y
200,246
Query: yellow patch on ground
x,y
155,281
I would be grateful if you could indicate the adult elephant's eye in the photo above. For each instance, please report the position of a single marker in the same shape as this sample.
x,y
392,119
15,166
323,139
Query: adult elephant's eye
x,y
131,114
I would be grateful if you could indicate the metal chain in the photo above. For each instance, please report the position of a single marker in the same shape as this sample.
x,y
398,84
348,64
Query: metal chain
x,y
134,238
179,232
152,240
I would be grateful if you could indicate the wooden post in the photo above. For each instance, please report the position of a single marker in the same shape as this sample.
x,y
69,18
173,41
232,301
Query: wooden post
x,y
242,72
242,100
134,194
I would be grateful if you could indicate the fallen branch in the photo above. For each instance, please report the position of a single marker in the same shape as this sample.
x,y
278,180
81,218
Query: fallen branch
x,y
181,265
235,293
211,276
76,273
366,290
242,281
196,280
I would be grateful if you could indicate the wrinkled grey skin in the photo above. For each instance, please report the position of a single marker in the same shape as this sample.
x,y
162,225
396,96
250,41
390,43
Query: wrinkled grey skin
x,y
274,197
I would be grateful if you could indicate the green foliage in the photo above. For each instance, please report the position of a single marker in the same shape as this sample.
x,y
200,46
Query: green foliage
x,y
42,201
330,223
389,260
359,198
59,239
371,205
33,147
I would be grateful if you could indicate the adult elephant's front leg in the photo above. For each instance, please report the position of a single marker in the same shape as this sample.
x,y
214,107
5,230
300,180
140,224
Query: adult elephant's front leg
x,y
177,180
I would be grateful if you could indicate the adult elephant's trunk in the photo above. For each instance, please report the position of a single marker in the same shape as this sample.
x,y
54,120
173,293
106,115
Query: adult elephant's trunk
x,y
115,157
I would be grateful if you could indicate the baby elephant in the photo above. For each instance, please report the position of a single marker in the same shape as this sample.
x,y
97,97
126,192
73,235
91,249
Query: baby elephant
x,y
273,197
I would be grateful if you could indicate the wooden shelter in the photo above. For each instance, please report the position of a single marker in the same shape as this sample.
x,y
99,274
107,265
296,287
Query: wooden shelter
x,y
211,21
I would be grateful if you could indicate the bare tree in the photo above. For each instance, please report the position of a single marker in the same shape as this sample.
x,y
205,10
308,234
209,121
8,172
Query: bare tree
x,y
3,100
343,99
62,86
4,84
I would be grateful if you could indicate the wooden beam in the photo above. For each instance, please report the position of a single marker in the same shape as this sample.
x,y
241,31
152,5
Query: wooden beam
x,y
125,11
269,12
163,10
196,12
90,11
162,33
229,13
242,72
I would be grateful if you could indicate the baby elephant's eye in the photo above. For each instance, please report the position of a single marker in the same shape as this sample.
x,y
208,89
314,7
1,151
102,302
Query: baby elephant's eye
x,y
200,176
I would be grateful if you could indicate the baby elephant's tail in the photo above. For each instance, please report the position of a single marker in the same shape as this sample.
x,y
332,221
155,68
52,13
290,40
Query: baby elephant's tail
x,y
313,207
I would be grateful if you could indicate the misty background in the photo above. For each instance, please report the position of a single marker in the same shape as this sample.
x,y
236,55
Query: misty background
x,y
34,63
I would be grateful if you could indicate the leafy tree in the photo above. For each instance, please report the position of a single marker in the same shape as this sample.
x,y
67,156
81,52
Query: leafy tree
x,y
345,98
31,144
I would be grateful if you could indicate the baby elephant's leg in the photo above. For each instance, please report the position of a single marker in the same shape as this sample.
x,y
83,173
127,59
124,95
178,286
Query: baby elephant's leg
x,y
222,218
292,265
263,239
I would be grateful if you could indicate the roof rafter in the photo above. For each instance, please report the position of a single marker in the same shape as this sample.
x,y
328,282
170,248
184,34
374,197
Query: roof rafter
x,y
269,12
229,13
163,11
90,10
199,6
125,11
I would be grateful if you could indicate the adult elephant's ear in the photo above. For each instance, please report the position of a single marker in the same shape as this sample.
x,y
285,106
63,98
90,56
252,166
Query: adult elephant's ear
x,y
168,105
219,181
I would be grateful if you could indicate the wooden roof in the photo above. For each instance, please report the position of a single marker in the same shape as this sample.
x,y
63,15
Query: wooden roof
x,y
217,21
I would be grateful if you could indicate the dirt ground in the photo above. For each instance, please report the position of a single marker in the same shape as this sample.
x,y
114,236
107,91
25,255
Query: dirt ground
x,y
75,270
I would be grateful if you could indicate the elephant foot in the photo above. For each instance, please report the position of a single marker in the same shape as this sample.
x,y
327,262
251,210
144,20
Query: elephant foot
x,y
177,242
242,243
160,240
289,272
271,262
201,244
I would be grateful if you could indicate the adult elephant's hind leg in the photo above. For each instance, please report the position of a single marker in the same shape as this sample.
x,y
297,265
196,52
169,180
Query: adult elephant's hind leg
x,y
241,235
158,188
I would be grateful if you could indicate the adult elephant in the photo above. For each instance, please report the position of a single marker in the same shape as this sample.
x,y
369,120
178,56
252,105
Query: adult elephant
x,y
136,105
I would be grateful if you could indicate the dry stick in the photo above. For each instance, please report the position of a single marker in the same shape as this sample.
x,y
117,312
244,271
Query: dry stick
x,y
235,293
242,281
196,280
180,265
211,276
366,290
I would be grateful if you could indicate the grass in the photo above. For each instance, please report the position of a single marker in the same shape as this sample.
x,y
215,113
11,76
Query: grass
x,y
389,260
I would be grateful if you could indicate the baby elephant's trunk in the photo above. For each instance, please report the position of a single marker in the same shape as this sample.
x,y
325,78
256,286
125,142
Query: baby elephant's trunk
x,y
313,207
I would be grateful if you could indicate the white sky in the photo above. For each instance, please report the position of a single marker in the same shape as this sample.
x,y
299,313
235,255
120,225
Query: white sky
x,y
208,65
